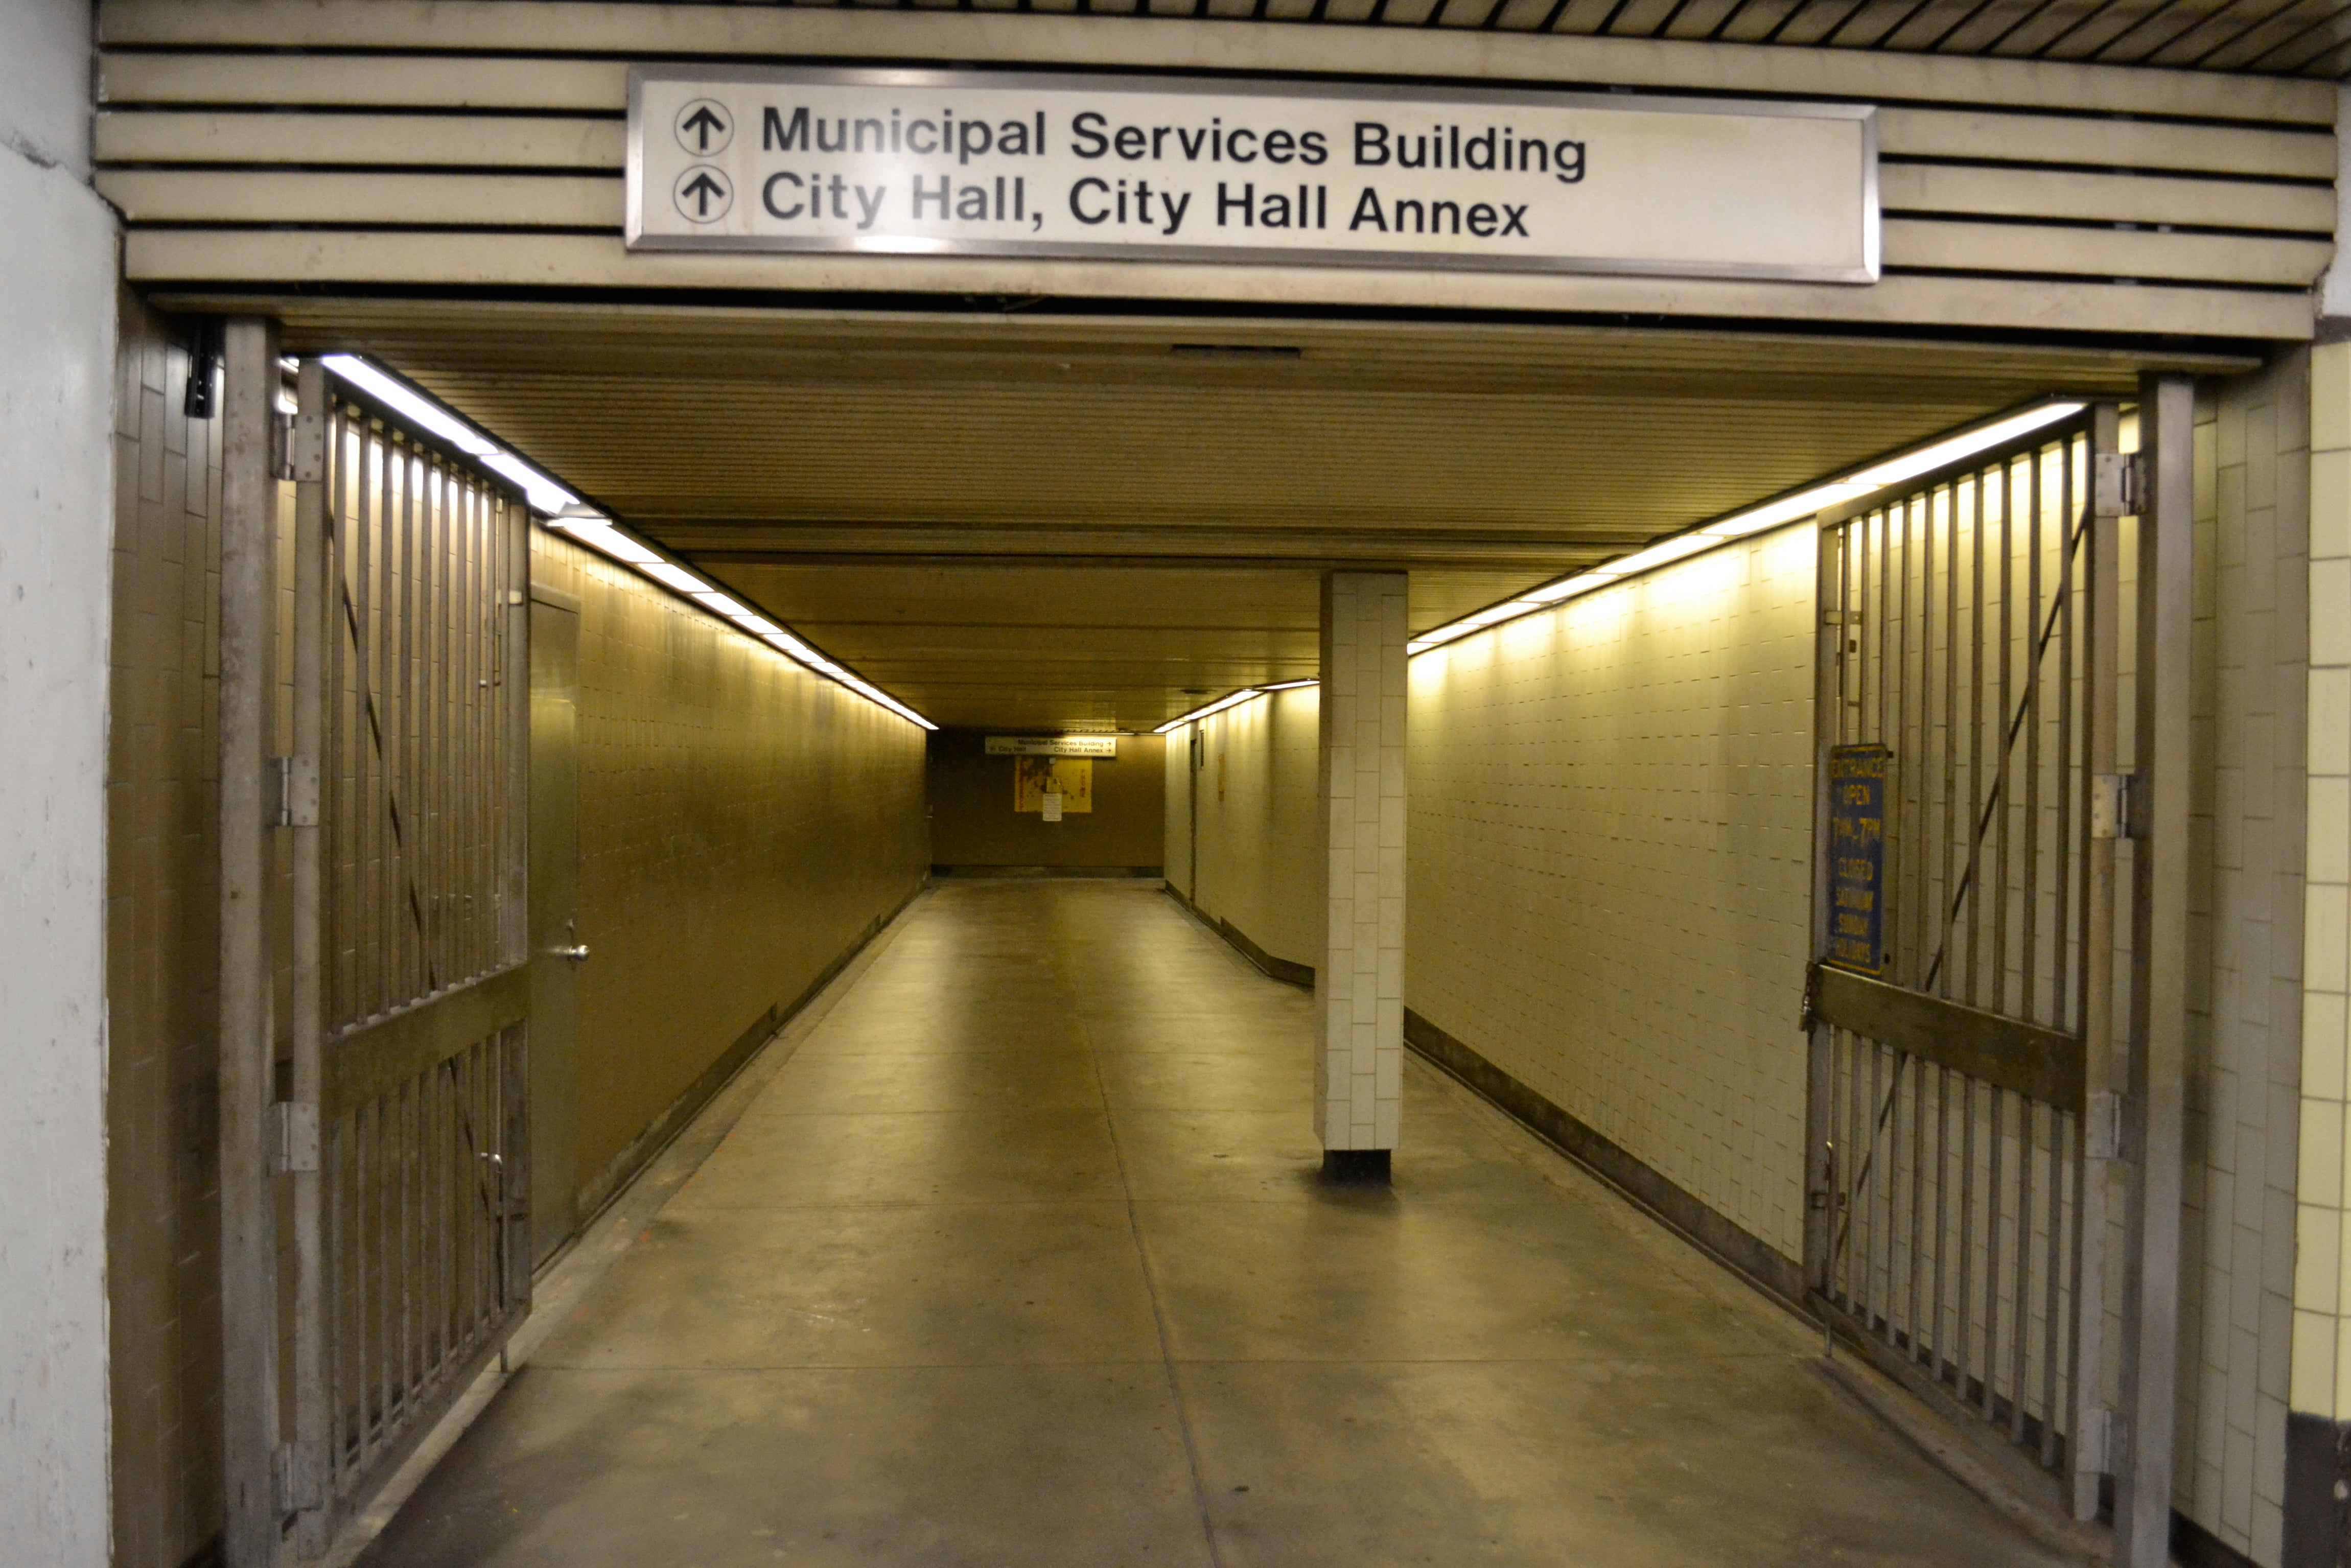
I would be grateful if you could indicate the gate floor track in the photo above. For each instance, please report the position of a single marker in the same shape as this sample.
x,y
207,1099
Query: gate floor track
x,y
1024,1259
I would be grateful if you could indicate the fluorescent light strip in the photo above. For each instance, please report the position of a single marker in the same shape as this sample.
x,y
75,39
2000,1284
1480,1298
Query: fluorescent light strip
x,y
676,576
1220,705
545,495
564,511
1288,686
598,534
1771,514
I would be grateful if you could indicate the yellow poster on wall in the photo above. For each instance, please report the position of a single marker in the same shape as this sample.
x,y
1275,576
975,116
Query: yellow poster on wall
x,y
1034,777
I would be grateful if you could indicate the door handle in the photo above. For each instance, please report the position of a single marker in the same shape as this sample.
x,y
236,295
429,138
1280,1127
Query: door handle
x,y
576,954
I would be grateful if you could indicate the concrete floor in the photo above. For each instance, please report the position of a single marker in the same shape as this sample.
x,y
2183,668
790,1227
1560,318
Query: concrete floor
x,y
1023,1259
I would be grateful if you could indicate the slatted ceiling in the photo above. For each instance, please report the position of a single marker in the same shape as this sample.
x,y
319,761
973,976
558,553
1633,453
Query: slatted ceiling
x,y
499,126
1504,51
146,123
1278,462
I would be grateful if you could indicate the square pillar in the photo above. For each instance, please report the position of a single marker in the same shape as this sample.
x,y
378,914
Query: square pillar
x,y
1359,983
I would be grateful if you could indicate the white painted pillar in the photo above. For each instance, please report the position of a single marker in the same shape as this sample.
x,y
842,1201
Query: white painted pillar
x,y
58,307
1359,982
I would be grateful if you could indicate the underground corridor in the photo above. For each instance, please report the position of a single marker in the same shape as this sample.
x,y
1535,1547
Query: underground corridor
x,y
1489,960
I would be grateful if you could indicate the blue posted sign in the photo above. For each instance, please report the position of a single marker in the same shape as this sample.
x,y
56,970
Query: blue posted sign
x,y
1857,858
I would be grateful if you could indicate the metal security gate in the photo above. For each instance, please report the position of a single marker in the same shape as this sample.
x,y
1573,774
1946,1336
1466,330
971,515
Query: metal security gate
x,y
408,1137
1960,1004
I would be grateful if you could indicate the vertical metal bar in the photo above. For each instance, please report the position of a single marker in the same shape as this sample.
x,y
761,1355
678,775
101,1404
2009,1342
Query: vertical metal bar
x,y
1887,675
517,721
2003,795
465,713
1922,1251
433,677
1866,1239
1995,1149
2021,1313
513,1172
1898,1258
1947,892
1976,794
1898,630
367,812
410,1093
1963,1303
306,1001
248,1242
368,1283
1942,1214
336,1154
2154,1106
2052,1317
2028,997
2069,862
330,756
405,651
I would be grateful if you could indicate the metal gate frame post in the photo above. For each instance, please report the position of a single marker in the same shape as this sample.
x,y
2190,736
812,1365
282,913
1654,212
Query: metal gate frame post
x,y
2153,1106
248,1212
2091,1453
1828,691
311,522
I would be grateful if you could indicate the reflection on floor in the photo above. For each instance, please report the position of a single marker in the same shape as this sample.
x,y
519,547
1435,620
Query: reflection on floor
x,y
1023,1259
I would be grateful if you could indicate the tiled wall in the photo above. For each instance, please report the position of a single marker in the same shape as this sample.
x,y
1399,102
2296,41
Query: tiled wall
x,y
741,824
2320,1382
162,941
2245,910
1611,832
1259,867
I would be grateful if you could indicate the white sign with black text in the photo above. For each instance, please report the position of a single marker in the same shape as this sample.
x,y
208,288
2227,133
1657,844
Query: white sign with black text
x,y
973,163
1052,746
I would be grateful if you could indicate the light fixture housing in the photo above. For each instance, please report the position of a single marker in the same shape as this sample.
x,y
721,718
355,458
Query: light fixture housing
x,y
1220,705
565,513
1809,502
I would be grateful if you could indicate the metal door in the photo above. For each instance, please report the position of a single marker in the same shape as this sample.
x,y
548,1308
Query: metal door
x,y
557,946
1960,1004
406,1133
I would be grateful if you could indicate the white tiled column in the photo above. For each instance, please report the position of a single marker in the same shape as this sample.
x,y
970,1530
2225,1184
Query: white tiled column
x,y
1359,983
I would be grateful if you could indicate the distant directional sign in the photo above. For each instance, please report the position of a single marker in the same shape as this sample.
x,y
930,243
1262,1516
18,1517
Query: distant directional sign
x,y
704,195
705,128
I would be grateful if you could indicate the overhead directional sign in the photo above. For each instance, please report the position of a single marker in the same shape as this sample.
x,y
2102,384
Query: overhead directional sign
x,y
1052,746
1176,169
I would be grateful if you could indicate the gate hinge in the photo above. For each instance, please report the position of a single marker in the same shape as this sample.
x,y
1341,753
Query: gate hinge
x,y
293,1137
2100,1436
2102,1126
306,456
2119,486
2110,805
298,1478
296,780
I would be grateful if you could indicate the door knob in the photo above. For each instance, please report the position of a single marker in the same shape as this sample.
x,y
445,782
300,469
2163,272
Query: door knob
x,y
575,954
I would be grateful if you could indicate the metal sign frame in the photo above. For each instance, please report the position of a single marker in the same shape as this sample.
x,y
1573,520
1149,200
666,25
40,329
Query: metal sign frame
x,y
1871,223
